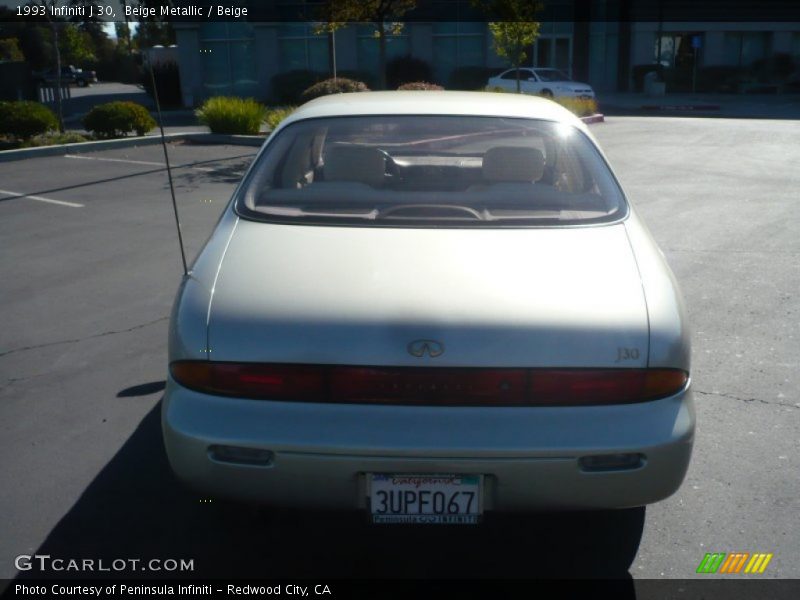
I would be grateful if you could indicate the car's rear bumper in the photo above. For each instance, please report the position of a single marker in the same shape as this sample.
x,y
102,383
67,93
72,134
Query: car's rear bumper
x,y
530,456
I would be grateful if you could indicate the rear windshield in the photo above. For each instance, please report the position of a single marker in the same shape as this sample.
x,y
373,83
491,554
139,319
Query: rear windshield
x,y
431,171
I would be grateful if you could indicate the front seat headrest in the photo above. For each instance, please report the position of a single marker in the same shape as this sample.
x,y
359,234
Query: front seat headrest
x,y
349,162
513,163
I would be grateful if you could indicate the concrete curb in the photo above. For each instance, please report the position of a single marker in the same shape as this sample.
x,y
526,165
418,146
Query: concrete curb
x,y
596,118
681,107
197,137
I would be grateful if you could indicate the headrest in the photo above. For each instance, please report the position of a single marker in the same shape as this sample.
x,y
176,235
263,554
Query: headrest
x,y
513,163
348,162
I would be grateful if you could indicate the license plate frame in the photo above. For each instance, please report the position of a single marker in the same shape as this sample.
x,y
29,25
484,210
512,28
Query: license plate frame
x,y
445,491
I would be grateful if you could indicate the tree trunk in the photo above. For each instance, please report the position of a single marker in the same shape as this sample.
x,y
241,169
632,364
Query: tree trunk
x,y
381,57
519,86
59,107
333,52
127,27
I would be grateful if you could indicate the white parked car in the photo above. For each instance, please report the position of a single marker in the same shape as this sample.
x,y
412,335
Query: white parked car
x,y
544,82
428,306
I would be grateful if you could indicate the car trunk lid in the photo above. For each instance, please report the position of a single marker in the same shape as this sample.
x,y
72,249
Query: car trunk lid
x,y
468,297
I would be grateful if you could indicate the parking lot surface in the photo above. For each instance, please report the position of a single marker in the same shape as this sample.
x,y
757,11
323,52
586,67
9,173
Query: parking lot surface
x,y
89,270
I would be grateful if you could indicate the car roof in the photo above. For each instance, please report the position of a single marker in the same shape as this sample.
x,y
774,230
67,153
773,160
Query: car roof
x,y
484,104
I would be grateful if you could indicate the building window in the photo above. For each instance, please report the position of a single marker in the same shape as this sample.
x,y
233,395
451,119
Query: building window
x,y
743,48
554,52
553,48
369,47
677,49
301,48
228,59
458,44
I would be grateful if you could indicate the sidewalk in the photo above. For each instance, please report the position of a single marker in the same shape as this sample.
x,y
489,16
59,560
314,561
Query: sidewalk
x,y
742,106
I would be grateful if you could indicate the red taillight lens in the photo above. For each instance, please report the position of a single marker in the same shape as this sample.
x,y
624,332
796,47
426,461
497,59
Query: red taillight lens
x,y
429,386
252,380
559,387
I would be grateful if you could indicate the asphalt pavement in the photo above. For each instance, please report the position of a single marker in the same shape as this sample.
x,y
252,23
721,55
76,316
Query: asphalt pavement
x,y
89,270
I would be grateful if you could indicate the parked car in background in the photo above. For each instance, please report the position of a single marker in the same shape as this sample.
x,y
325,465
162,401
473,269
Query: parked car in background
x,y
429,305
544,82
69,75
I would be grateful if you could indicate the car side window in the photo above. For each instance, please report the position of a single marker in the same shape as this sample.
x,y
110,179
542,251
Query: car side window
x,y
568,173
512,74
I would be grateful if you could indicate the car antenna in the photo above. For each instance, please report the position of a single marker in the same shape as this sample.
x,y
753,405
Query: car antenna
x,y
166,161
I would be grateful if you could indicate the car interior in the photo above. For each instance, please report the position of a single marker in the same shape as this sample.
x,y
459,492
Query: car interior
x,y
498,173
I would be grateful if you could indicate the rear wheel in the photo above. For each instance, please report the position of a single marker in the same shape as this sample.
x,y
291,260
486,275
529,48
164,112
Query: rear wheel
x,y
547,94
82,83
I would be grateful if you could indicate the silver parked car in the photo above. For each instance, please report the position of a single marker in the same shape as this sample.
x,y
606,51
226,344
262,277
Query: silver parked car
x,y
429,305
550,83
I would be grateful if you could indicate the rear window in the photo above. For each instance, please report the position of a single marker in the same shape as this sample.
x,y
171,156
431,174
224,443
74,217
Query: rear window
x,y
431,171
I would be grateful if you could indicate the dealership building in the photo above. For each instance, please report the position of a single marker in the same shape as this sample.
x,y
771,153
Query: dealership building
x,y
599,42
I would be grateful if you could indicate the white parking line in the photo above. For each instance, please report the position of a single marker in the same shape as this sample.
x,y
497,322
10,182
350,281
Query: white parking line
x,y
122,160
138,162
40,199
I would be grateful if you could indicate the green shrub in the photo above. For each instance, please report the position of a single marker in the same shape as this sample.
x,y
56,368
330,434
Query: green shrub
x,y
583,107
420,85
469,78
118,119
276,115
370,78
406,69
287,87
54,139
24,119
235,116
340,85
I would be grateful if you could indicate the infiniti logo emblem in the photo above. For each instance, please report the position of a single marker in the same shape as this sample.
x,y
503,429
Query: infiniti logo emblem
x,y
419,348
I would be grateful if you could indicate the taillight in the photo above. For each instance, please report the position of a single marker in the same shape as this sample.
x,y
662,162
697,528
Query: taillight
x,y
429,386
252,380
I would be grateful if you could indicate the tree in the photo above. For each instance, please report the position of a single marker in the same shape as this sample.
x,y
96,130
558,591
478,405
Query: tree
x,y
10,51
54,28
123,28
152,30
151,33
76,46
34,40
514,31
329,28
383,15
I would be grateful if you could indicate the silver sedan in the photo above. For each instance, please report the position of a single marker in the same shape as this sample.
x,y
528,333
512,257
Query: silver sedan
x,y
429,305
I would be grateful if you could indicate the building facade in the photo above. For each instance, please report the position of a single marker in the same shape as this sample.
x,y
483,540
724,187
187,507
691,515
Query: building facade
x,y
582,39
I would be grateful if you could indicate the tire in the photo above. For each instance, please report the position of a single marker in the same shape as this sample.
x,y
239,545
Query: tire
x,y
547,94
82,83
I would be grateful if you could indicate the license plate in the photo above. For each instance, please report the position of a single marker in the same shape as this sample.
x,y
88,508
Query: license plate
x,y
425,498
